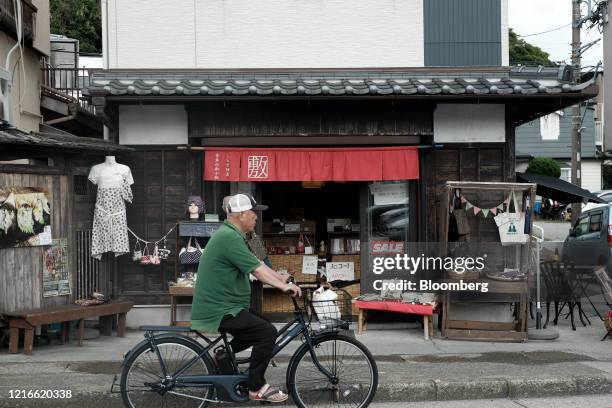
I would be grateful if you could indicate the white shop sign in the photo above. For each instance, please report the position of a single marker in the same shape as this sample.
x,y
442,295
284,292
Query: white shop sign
x,y
309,265
340,271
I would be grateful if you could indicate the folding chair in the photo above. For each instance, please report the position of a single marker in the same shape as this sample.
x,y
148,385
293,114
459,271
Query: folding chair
x,y
606,289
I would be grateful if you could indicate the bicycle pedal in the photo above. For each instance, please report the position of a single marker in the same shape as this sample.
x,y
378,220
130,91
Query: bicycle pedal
x,y
265,402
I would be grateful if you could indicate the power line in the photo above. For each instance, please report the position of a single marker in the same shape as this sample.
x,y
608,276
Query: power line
x,y
547,31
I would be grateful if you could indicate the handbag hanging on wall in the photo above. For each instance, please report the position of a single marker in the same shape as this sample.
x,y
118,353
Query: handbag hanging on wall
x,y
190,255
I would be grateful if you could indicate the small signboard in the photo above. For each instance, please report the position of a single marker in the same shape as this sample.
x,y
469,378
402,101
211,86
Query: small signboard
x,y
198,228
387,247
56,275
309,265
344,271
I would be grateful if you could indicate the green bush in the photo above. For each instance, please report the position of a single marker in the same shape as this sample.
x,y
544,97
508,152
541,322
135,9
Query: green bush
x,y
544,166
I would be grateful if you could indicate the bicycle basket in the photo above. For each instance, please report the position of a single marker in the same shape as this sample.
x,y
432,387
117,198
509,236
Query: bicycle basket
x,y
332,307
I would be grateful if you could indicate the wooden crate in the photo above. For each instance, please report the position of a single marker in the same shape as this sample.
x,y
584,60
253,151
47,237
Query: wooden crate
x,y
356,259
354,290
274,301
292,263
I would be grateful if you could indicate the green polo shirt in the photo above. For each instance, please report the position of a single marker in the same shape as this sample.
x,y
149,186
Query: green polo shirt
x,y
222,286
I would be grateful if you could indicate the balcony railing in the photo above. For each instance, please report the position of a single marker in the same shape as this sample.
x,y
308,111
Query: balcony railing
x,y
69,83
599,133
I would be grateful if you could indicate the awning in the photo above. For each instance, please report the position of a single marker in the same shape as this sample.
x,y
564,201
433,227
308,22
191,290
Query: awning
x,y
557,189
311,164
54,139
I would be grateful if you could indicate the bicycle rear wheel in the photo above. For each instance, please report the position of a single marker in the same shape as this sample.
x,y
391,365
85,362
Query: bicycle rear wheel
x,y
351,363
143,384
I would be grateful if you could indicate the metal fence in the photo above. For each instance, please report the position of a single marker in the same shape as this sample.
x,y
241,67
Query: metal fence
x,y
70,82
88,268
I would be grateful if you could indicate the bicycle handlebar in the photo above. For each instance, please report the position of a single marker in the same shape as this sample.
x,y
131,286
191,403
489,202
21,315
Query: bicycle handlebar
x,y
291,281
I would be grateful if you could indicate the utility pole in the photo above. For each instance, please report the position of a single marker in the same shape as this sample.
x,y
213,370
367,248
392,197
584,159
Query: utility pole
x,y
576,119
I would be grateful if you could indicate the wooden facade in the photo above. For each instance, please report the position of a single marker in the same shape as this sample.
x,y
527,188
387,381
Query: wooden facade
x,y
162,181
164,177
21,269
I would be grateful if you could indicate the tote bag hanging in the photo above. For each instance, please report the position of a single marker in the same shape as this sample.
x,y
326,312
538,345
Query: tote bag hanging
x,y
190,255
511,225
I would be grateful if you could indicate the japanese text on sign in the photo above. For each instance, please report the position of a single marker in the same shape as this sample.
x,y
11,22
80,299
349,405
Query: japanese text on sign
x,y
340,271
309,265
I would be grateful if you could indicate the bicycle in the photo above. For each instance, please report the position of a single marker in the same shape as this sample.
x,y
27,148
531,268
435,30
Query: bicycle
x,y
173,369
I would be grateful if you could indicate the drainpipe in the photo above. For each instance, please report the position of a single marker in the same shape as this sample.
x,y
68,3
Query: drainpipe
x,y
7,81
72,109
60,120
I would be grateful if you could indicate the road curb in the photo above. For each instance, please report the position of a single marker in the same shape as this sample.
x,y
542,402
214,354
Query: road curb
x,y
438,390
426,390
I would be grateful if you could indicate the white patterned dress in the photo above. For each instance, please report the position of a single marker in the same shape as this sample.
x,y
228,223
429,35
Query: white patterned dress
x,y
110,221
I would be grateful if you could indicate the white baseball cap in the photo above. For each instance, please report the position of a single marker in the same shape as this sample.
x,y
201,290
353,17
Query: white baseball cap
x,y
243,202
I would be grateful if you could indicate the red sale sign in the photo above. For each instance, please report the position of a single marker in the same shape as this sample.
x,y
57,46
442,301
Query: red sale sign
x,y
387,247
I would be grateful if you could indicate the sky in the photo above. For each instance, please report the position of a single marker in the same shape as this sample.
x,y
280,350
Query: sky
x,y
534,16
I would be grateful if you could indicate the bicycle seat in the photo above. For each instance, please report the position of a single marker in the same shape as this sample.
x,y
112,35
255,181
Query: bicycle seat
x,y
166,328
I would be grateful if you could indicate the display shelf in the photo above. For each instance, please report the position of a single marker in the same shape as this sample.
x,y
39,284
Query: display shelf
x,y
202,231
498,291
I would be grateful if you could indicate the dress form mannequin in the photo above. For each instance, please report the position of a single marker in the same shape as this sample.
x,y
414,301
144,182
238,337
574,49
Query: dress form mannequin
x,y
110,221
110,173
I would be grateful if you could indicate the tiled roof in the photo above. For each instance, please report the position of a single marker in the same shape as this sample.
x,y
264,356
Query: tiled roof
x,y
323,83
50,137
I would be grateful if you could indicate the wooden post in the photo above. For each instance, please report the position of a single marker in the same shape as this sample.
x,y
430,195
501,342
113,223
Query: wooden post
x,y
28,341
14,340
65,333
121,325
81,331
426,326
359,322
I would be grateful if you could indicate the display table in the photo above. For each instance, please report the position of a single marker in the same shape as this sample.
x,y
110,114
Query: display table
x,y
396,307
29,319
175,292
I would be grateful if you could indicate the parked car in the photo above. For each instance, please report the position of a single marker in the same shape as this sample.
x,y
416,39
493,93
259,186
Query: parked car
x,y
605,195
589,242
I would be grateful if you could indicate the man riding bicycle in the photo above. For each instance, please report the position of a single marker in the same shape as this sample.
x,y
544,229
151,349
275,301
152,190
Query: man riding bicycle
x,y
223,293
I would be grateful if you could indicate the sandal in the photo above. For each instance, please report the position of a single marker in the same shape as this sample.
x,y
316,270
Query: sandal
x,y
268,393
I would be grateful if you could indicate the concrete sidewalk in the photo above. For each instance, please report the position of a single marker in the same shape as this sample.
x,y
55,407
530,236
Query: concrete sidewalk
x,y
410,368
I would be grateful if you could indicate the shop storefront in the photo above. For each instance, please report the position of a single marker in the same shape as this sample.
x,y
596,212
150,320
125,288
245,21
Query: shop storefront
x,y
351,163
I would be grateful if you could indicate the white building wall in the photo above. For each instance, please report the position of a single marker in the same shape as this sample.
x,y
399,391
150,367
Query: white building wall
x,y
152,124
607,81
591,175
263,33
473,123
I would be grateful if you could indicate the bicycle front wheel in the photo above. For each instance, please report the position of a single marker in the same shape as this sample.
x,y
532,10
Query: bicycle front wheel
x,y
354,371
142,380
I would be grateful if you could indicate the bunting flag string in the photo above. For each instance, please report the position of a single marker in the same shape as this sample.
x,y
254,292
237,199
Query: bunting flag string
x,y
485,211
